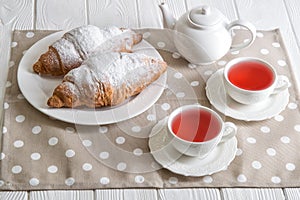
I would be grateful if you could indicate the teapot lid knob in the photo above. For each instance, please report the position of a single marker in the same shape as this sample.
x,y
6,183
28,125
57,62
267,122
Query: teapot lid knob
x,y
205,10
204,16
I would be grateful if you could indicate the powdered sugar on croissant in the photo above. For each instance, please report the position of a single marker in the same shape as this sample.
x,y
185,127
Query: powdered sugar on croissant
x,y
78,44
107,79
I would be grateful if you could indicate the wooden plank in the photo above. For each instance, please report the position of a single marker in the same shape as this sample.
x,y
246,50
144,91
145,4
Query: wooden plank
x,y
18,11
122,13
149,8
57,14
252,194
292,193
13,195
126,194
62,195
199,193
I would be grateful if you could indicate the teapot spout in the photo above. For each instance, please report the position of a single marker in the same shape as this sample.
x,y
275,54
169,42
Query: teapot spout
x,y
169,19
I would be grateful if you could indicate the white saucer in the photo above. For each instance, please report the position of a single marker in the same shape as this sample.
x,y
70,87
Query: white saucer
x,y
218,97
165,154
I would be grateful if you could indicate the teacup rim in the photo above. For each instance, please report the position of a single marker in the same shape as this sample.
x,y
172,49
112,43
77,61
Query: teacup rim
x,y
169,128
244,59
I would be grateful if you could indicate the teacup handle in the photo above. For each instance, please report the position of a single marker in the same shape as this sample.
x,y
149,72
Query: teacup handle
x,y
250,27
230,131
282,84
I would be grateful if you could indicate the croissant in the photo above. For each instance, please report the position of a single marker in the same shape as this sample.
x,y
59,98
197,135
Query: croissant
x,y
78,44
106,79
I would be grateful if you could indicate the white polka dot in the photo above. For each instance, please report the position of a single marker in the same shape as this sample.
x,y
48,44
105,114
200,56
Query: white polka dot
x,y
251,140
14,44
256,164
264,51
222,62
275,44
173,180
292,106
2,156
208,72
70,129
161,44
8,84
271,152
297,127
192,66
276,179
121,166
87,143
29,34
103,129
176,55
139,179
53,141
165,106
104,180
151,117
120,140
70,153
290,166
70,181
178,75
235,52
239,152
285,139
20,96
281,63
195,83
265,129
34,182
207,179
11,63
279,118
104,155
36,130
259,34
180,94
146,34
52,169
1,183
138,152
35,156
20,118
87,167
136,129
241,178
6,105
18,143
4,130
16,169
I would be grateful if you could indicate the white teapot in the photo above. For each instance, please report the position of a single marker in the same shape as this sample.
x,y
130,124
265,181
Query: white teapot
x,y
203,34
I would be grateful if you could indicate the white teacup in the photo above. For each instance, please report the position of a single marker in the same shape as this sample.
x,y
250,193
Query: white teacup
x,y
251,80
197,130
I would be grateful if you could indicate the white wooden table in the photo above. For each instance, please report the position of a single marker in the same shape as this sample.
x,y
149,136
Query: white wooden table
x,y
66,14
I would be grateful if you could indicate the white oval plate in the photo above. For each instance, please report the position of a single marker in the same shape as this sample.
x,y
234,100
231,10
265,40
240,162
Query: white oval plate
x,y
37,89
218,97
166,155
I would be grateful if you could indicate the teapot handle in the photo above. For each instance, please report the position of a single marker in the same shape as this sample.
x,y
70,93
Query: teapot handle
x,y
250,27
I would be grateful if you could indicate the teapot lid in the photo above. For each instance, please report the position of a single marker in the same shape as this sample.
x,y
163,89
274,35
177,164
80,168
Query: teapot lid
x,y
204,16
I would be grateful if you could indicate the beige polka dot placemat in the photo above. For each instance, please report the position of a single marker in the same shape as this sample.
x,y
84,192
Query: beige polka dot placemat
x,y
39,152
